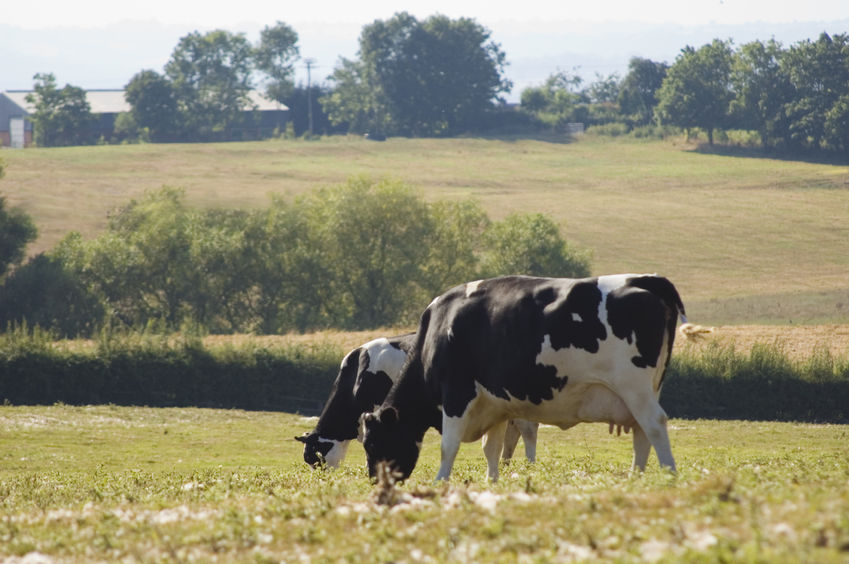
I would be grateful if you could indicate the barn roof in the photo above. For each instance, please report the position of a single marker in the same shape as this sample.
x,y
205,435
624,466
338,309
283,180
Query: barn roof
x,y
113,102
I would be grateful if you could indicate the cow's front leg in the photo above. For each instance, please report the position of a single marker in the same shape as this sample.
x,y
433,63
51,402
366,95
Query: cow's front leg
x,y
493,442
452,435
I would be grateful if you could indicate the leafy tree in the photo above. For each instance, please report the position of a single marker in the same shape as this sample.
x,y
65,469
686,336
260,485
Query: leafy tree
x,y
45,293
154,105
697,89
530,244
62,117
211,75
762,90
433,77
638,92
356,99
454,245
555,102
17,230
371,235
275,55
819,72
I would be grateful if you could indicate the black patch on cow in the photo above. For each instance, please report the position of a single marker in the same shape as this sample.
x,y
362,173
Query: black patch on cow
x,y
340,416
572,320
494,335
636,314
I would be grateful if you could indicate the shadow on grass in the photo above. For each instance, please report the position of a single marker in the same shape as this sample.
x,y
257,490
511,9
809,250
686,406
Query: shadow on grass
x,y
804,156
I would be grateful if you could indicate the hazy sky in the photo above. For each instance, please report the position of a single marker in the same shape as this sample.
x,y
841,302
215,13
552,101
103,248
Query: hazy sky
x,y
103,43
688,12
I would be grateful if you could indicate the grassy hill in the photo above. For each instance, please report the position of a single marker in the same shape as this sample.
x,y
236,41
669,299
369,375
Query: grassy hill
x,y
746,240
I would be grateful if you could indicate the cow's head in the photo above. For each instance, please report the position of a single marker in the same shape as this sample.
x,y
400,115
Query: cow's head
x,y
387,439
317,450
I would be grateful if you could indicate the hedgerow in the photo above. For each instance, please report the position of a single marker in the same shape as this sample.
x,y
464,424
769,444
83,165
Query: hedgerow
x,y
714,382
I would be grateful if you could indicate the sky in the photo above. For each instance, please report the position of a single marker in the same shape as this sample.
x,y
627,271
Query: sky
x,y
103,43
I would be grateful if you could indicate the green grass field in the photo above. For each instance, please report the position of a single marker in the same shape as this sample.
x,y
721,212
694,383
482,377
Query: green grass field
x,y
746,240
112,484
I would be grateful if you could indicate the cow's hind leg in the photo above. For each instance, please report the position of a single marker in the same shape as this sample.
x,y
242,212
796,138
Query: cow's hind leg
x,y
511,439
453,429
642,447
651,420
493,441
529,430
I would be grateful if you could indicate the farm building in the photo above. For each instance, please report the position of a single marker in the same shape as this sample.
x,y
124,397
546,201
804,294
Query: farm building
x,y
16,129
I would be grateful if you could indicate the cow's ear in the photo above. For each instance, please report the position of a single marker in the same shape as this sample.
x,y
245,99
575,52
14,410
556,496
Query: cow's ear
x,y
388,415
305,438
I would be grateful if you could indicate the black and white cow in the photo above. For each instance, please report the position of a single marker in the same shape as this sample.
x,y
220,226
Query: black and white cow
x,y
365,377
557,351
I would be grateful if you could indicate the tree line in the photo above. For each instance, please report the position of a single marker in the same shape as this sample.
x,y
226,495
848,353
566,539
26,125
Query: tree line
x,y
364,254
441,76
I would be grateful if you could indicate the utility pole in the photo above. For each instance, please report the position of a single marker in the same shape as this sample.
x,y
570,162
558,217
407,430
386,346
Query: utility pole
x,y
309,62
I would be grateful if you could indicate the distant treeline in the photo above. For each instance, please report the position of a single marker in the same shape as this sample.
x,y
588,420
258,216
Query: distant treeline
x,y
445,77
365,254
715,383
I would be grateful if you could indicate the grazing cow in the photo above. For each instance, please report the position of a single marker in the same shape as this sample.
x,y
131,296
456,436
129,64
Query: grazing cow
x,y
365,377
558,351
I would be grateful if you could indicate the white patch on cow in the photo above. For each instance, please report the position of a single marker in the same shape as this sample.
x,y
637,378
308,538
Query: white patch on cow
x,y
472,287
383,357
336,453
576,317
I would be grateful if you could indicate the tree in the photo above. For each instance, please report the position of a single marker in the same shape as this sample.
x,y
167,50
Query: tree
x,y
819,72
16,231
763,90
154,105
211,76
372,234
62,117
434,77
275,55
697,89
638,93
531,244
556,101
356,100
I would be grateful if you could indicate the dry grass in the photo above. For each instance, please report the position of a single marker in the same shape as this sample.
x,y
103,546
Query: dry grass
x,y
747,240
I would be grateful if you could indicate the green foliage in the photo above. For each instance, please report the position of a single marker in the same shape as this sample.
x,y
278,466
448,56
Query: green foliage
x,y
697,89
154,105
531,244
17,230
365,254
211,77
45,294
275,56
765,384
422,78
62,116
638,92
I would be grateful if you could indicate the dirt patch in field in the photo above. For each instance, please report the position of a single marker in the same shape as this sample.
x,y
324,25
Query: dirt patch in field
x,y
798,341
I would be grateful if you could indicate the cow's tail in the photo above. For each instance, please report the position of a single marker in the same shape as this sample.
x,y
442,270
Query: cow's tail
x,y
693,332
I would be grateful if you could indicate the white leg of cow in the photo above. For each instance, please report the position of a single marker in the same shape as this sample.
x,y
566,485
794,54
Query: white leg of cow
x,y
493,441
642,447
511,439
529,430
652,420
452,433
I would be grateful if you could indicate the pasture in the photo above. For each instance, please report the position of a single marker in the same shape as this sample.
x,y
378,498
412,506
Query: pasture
x,y
746,240
107,483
